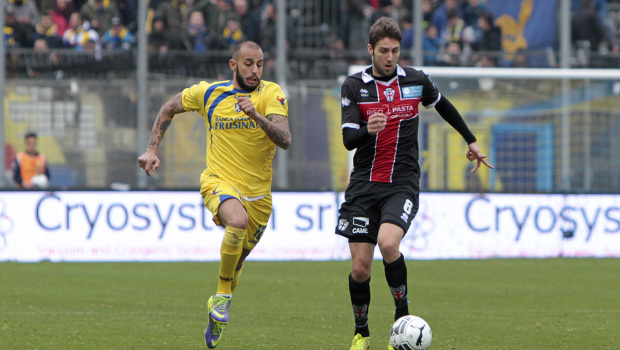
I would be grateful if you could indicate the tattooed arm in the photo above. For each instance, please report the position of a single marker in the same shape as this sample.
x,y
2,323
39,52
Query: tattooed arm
x,y
274,125
149,160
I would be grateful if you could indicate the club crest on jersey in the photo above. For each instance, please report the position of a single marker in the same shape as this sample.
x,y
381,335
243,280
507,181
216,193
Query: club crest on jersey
x,y
411,91
363,92
389,94
342,224
345,102
237,107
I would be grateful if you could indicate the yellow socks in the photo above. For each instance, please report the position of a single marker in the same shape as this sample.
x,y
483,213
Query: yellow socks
x,y
232,245
235,280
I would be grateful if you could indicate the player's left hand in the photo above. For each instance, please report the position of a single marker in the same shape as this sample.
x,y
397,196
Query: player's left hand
x,y
474,153
246,106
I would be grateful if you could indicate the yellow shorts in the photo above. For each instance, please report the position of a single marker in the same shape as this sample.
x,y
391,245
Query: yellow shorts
x,y
214,191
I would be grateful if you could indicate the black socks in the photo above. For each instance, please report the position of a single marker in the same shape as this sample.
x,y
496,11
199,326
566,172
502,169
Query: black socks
x,y
396,276
360,299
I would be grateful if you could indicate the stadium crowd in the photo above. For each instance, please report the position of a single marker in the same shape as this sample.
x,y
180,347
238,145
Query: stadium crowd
x,y
456,32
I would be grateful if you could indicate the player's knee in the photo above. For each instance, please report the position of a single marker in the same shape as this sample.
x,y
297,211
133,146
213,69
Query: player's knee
x,y
360,271
239,221
389,249
234,236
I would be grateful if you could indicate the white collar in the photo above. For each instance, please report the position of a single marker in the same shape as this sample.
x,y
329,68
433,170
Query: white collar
x,y
368,78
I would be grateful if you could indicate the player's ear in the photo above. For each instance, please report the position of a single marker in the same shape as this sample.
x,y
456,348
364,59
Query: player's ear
x,y
232,64
370,50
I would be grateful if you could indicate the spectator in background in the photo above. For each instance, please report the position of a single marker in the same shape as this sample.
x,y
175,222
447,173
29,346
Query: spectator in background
x,y
406,26
196,36
338,63
29,163
176,14
99,13
489,37
44,6
401,9
357,15
46,30
520,60
440,15
451,56
225,12
232,34
159,39
128,11
43,59
454,28
600,6
15,35
61,12
386,9
26,13
117,37
210,12
268,40
250,20
79,3
77,37
471,11
587,26
427,13
486,61
431,44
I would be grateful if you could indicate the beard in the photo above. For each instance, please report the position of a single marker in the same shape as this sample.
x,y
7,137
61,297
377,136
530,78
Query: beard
x,y
241,81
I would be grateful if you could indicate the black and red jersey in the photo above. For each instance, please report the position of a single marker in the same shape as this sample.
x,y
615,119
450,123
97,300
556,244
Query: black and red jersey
x,y
392,154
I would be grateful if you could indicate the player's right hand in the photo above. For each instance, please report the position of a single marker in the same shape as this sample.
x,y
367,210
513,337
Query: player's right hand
x,y
474,153
148,161
376,123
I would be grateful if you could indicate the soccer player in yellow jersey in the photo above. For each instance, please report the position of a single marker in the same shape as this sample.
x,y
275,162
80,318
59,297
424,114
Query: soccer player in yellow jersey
x,y
246,118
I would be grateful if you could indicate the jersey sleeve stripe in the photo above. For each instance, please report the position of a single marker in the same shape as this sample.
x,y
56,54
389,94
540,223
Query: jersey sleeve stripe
x,y
434,103
350,126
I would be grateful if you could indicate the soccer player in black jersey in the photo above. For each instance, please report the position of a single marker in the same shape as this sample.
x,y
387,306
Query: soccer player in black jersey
x,y
380,120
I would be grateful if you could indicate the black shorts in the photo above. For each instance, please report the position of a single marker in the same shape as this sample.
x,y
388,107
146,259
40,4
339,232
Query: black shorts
x,y
368,204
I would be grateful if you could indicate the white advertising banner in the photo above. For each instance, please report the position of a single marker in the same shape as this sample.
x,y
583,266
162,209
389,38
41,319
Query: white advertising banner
x,y
174,226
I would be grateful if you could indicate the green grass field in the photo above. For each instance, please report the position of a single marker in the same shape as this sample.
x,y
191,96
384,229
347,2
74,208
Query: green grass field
x,y
479,304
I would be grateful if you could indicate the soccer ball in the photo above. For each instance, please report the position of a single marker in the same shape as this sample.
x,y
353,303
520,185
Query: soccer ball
x,y
40,181
411,333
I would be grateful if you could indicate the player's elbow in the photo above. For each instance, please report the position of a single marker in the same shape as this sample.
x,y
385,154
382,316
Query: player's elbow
x,y
350,146
286,142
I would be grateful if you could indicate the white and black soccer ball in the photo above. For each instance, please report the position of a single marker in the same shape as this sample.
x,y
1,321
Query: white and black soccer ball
x,y
411,333
40,181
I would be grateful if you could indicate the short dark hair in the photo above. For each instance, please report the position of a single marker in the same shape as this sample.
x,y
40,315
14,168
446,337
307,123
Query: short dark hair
x,y
384,27
30,134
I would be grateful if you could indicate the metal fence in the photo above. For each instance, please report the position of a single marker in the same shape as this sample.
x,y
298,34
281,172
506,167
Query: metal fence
x,y
88,130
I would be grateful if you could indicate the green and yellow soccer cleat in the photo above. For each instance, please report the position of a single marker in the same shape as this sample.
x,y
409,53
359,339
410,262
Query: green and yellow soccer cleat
x,y
360,343
219,306
213,333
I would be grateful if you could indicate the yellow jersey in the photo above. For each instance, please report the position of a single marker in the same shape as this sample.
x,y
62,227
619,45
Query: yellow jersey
x,y
238,150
